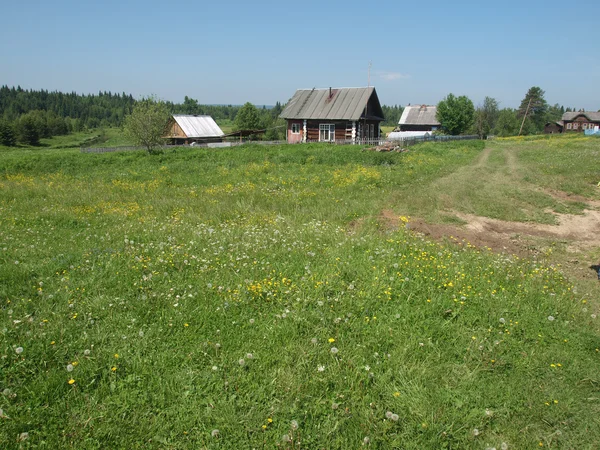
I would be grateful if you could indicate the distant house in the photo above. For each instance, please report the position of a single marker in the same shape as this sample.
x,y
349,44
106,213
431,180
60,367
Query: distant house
x,y
418,118
328,115
187,129
554,127
580,121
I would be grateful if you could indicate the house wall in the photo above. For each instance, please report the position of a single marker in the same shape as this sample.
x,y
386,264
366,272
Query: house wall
x,y
419,127
175,130
577,125
294,138
552,128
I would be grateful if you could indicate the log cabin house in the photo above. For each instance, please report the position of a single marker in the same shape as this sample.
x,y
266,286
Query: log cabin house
x,y
554,127
580,121
418,118
187,129
329,115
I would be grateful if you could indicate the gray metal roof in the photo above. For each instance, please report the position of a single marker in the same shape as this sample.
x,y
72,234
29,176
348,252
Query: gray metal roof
x,y
331,104
419,115
593,116
198,126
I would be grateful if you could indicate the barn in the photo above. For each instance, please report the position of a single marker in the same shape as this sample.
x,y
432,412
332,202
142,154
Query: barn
x,y
333,114
187,129
418,118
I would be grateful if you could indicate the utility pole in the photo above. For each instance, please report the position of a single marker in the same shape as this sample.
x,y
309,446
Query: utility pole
x,y
525,116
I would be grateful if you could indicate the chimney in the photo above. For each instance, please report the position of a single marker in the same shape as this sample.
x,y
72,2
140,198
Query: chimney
x,y
329,91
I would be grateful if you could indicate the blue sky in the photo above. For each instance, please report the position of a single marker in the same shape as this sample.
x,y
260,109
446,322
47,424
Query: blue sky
x,y
234,51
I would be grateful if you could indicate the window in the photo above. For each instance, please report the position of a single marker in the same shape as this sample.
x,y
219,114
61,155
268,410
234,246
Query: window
x,y
326,132
295,128
575,125
584,126
569,126
372,131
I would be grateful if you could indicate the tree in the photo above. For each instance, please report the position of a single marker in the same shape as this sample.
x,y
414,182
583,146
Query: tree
x,y
247,118
507,123
27,130
147,123
486,117
7,134
455,114
534,106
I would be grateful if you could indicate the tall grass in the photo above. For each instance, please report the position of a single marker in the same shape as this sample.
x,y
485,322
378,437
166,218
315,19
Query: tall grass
x,y
228,299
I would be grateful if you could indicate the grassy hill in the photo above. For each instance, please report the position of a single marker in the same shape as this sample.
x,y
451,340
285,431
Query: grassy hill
x,y
259,297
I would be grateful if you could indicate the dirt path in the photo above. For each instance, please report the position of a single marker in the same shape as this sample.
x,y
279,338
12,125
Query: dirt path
x,y
574,237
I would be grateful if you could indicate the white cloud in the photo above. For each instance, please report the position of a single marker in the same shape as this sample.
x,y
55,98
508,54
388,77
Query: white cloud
x,y
390,76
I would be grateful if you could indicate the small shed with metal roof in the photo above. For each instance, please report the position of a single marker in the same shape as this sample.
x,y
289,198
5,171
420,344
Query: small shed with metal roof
x,y
185,129
418,118
333,114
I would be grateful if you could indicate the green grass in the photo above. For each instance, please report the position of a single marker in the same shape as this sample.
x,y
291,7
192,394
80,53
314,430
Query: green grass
x,y
152,277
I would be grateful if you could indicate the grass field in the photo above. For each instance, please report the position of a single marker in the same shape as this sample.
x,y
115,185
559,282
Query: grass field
x,y
253,298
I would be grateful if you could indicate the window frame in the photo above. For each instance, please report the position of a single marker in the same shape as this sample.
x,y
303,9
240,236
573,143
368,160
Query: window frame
x,y
296,126
330,129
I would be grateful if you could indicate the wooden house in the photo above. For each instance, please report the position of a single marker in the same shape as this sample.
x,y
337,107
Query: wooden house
x,y
580,121
554,127
187,129
329,115
418,118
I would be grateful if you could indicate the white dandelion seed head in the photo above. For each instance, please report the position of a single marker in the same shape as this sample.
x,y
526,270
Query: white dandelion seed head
x,y
594,316
502,320
251,321
489,412
86,352
475,432
334,350
313,341
215,368
320,303
335,405
550,318
367,368
388,414
283,316
366,440
294,424
19,350
214,433
70,367
141,333
249,356
395,417
504,446
24,436
241,362
286,438
217,345
321,368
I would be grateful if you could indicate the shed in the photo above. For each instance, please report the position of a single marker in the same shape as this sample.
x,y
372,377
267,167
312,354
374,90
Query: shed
x,y
419,118
333,114
185,129
554,127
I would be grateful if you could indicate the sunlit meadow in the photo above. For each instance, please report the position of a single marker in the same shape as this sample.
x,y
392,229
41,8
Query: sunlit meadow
x,y
251,298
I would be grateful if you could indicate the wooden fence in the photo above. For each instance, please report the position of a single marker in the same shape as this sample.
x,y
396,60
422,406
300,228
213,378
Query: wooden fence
x,y
404,142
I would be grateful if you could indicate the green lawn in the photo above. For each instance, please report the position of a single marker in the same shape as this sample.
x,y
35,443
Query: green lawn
x,y
251,298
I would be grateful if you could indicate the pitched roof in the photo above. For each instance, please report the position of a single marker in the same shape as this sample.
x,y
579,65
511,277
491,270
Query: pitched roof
x,y
333,104
419,115
198,126
592,116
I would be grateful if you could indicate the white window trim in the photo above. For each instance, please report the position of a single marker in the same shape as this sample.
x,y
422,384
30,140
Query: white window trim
x,y
297,127
569,126
330,127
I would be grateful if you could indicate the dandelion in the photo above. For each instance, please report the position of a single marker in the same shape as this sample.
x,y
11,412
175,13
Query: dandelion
x,y
71,381
313,341
116,356
215,368
217,346
502,320
214,433
286,438
550,318
335,406
19,350
331,340
24,436
113,368
294,424
367,368
70,367
86,352
366,440
396,394
489,412
251,321
321,368
249,356
389,414
475,432
334,350
241,362
504,446
394,417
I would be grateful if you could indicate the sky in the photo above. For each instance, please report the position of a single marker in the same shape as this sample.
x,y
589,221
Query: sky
x,y
232,52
